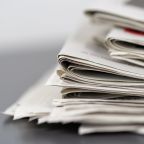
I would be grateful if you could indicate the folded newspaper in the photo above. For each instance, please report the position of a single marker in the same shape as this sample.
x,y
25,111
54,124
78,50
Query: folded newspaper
x,y
126,44
99,81
125,40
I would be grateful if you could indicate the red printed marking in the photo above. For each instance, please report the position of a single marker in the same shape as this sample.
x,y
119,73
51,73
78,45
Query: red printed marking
x,y
136,32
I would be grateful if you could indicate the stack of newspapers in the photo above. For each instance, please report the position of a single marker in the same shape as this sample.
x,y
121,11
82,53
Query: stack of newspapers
x,y
99,81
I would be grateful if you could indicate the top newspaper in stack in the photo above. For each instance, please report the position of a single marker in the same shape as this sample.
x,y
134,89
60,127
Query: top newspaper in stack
x,y
125,43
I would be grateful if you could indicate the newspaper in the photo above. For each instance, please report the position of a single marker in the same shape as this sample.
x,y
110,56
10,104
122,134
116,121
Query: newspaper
x,y
36,102
123,15
99,82
79,90
82,52
90,128
126,44
125,41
